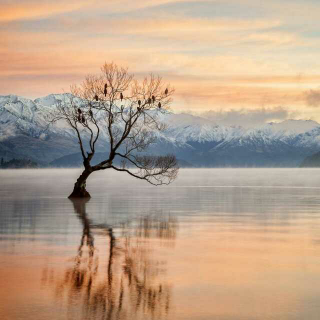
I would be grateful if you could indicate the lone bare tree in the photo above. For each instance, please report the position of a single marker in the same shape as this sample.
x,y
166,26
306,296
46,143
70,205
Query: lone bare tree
x,y
125,114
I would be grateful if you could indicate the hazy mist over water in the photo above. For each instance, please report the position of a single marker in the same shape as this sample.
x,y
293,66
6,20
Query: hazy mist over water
x,y
216,244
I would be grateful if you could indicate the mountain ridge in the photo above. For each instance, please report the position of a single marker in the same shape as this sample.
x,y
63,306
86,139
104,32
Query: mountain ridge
x,y
24,132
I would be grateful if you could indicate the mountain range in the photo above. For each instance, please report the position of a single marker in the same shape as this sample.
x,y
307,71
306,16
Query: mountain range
x,y
25,133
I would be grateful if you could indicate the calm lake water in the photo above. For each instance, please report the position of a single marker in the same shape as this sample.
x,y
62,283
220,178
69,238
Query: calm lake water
x,y
227,244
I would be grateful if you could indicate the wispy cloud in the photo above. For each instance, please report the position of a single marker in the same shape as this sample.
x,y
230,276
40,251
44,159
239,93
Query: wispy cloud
x,y
230,54
200,31
25,10
313,98
247,118
187,25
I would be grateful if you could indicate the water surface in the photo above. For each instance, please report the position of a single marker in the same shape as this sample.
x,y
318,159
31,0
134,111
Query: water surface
x,y
216,244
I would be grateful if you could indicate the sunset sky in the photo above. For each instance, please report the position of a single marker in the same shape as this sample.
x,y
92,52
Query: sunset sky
x,y
227,56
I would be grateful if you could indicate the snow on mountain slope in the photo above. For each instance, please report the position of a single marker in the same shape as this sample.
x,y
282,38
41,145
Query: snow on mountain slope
x,y
187,135
186,127
24,116
21,115
52,99
32,116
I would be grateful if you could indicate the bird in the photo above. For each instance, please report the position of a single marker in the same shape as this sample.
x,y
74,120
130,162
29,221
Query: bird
x,y
91,114
159,105
105,89
166,92
139,103
149,101
121,96
153,99
96,97
79,110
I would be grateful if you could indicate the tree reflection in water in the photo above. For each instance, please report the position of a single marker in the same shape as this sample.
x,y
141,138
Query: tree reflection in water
x,y
125,283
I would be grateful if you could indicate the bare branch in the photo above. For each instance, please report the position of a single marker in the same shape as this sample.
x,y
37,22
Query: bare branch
x,y
157,170
121,114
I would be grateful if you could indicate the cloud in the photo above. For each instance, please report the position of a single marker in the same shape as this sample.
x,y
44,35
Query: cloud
x,y
202,31
188,25
247,118
125,6
209,95
23,10
13,10
313,98
231,58
276,38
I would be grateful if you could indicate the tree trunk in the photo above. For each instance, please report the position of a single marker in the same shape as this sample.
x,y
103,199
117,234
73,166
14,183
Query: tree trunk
x,y
79,190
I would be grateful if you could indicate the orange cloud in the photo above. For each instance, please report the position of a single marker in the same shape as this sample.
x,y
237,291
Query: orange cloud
x,y
201,31
185,25
213,63
36,9
213,96
21,10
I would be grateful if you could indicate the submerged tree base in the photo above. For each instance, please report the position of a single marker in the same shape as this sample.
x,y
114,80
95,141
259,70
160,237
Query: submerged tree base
x,y
79,189
79,193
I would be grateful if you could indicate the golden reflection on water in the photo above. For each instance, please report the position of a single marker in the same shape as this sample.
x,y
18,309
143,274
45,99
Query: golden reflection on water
x,y
203,253
118,278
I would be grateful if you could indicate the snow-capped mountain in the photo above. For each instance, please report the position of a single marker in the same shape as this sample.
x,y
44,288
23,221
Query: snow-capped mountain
x,y
25,133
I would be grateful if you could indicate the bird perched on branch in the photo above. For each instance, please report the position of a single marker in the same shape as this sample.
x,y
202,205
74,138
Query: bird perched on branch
x,y
121,96
139,103
159,105
90,113
96,97
105,89
166,92
153,99
149,101
79,111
